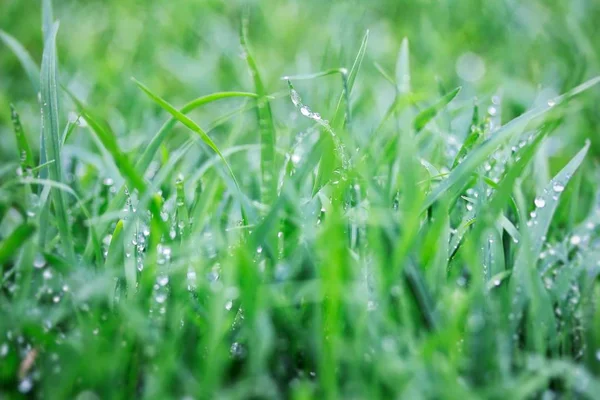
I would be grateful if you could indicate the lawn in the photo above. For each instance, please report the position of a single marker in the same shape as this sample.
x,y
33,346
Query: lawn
x,y
299,199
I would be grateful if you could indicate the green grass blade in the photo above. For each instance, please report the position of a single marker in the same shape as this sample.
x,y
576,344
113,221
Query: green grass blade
x,y
30,67
47,19
25,154
546,204
188,123
482,152
115,248
425,116
403,68
160,136
52,138
265,122
183,217
110,143
10,246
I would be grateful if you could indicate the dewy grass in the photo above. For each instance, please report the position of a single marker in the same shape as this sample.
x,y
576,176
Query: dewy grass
x,y
400,243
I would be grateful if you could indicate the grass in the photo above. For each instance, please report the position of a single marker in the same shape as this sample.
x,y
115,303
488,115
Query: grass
x,y
430,232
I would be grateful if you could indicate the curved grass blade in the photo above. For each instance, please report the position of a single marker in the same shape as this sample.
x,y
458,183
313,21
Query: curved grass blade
x,y
109,141
52,138
265,122
430,112
18,237
160,136
482,152
25,154
526,284
188,123
46,183
30,67
546,205
142,165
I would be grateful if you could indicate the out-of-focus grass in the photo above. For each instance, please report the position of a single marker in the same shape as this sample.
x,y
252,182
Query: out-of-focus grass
x,y
426,228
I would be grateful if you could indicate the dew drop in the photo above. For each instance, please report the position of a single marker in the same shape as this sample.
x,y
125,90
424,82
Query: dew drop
x,y
25,385
557,187
305,111
575,240
540,202
3,350
39,261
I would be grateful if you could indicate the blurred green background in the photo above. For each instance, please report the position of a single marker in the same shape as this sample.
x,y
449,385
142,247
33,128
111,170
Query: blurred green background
x,y
526,50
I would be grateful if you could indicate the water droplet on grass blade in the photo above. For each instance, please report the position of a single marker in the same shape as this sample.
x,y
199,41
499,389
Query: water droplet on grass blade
x,y
540,202
39,261
25,385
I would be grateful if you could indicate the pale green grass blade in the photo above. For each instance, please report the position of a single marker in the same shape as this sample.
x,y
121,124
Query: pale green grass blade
x,y
546,204
52,137
47,19
403,68
160,136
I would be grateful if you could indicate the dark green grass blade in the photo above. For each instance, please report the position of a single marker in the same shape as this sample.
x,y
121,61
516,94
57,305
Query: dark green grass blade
x,y
265,123
25,154
478,156
10,246
52,138
430,112
188,123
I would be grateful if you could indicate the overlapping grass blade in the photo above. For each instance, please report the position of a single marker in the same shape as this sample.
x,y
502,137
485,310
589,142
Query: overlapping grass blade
x,y
265,123
482,152
430,112
52,137
188,123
